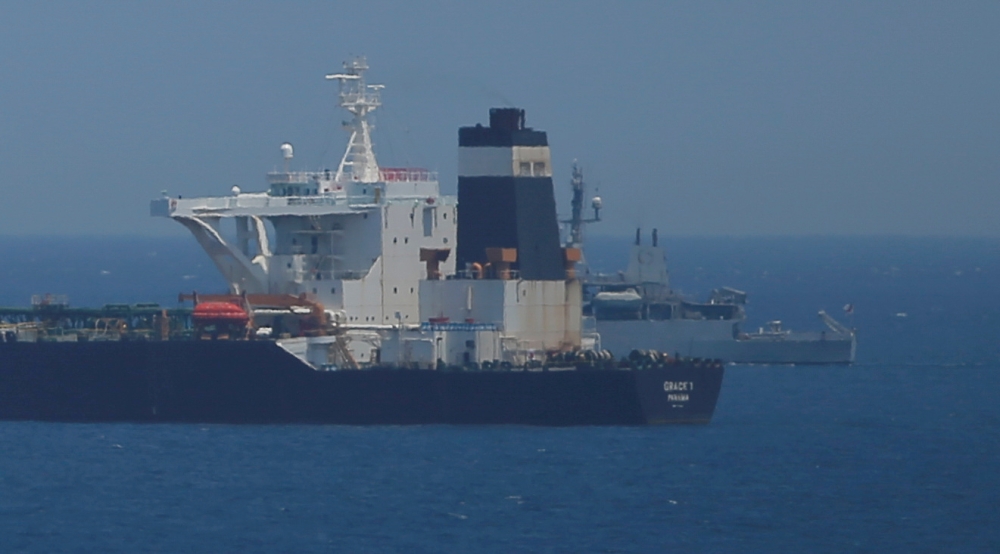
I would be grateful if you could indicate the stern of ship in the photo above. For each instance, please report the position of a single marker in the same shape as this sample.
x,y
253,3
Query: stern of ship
x,y
681,393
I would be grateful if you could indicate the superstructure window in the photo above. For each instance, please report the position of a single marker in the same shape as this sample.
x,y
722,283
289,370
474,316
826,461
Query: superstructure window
x,y
428,221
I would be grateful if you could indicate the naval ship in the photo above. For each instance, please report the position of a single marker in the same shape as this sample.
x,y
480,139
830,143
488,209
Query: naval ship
x,y
637,308
361,296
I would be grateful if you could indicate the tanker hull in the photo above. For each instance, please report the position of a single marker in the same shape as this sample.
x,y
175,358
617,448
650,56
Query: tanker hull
x,y
259,382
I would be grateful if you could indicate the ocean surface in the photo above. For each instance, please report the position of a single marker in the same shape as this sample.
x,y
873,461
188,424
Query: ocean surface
x,y
898,453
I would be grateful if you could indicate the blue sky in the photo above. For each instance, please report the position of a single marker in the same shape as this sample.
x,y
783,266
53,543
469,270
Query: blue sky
x,y
698,118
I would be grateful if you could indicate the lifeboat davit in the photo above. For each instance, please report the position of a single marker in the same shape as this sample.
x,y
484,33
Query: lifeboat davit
x,y
219,312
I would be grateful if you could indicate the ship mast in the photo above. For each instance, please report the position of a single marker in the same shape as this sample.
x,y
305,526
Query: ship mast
x,y
576,220
360,99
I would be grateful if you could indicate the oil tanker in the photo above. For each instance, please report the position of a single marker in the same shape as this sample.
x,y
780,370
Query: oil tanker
x,y
361,295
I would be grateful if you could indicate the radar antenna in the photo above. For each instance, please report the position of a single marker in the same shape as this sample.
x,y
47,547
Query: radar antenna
x,y
287,152
360,99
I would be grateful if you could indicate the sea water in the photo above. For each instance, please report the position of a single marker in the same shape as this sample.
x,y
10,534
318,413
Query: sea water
x,y
897,453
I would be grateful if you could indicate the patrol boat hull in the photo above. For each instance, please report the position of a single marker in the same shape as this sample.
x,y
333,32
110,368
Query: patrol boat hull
x,y
259,382
718,340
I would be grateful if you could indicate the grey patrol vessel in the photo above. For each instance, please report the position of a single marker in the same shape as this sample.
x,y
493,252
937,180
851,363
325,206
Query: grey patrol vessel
x,y
637,308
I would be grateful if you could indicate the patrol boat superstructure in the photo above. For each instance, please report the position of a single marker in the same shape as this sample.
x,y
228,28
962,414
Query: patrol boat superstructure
x,y
637,308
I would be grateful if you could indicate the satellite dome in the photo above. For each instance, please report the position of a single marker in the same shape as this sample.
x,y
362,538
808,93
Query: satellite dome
x,y
286,150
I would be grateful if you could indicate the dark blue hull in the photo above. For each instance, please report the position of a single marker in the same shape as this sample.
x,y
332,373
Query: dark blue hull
x,y
258,382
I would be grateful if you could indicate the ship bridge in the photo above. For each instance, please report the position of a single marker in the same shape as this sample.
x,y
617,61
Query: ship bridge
x,y
350,238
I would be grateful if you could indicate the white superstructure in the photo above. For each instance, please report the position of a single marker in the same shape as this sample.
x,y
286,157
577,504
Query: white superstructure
x,y
350,239
376,247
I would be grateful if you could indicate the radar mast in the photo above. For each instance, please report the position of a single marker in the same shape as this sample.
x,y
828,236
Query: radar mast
x,y
359,98
577,220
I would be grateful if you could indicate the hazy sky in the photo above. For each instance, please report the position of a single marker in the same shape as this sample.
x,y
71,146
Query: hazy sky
x,y
698,118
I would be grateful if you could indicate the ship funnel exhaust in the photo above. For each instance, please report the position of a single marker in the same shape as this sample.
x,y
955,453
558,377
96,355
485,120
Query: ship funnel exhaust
x,y
506,198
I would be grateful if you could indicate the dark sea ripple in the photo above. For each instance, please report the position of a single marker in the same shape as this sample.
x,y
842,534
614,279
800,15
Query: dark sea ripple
x,y
896,454
804,459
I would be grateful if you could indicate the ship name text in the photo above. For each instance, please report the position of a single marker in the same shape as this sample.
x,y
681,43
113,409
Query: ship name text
x,y
678,386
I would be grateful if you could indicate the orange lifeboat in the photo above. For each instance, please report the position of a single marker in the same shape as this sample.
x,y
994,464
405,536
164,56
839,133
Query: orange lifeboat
x,y
208,313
